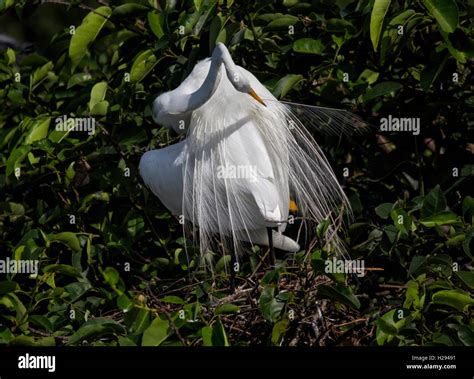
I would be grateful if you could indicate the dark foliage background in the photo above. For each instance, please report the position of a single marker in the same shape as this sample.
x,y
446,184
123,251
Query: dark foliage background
x,y
113,270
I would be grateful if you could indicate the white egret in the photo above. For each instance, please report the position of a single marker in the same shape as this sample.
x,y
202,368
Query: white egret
x,y
245,156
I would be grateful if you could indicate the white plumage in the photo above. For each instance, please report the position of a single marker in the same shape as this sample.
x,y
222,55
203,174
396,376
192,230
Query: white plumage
x,y
242,160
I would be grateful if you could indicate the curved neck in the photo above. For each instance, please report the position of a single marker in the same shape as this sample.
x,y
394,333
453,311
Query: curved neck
x,y
196,99
192,101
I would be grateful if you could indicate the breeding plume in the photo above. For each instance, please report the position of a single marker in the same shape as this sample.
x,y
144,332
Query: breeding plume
x,y
246,155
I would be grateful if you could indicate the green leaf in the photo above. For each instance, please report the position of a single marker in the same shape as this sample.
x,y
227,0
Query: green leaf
x,y
468,207
67,238
7,286
76,290
197,4
38,131
412,296
193,22
223,263
98,93
392,41
318,262
383,210
434,202
94,329
16,96
5,334
467,277
129,10
309,46
142,65
15,159
441,263
13,303
417,262
111,276
46,341
5,4
442,218
339,293
137,320
226,309
63,269
206,333
267,17
124,303
78,79
381,89
466,245
87,32
401,220
282,23
322,227
376,20
456,240
278,331
338,25
100,109
445,12
11,56
156,21
270,305
41,321
156,333
89,199
442,339
40,75
461,52
271,277
22,341
217,31
465,334
431,72
368,76
285,84
457,299
172,300
219,336
439,284
96,102
386,327
125,341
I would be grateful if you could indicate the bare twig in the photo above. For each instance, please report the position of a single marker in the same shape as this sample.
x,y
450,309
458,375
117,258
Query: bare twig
x,y
356,321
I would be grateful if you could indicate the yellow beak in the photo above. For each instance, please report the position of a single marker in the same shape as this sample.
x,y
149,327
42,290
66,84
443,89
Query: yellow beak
x,y
256,97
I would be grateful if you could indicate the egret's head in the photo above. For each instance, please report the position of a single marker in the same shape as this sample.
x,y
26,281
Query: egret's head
x,y
236,76
163,113
242,84
159,106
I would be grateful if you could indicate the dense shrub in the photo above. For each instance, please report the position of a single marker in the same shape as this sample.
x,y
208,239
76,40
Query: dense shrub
x,y
113,269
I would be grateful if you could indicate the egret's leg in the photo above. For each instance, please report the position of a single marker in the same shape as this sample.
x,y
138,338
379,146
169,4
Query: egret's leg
x,y
270,245
232,273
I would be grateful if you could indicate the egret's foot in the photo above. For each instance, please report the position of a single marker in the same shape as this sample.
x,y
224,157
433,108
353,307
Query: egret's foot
x,y
270,245
232,282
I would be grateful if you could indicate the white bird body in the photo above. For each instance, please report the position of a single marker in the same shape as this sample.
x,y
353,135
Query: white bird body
x,y
245,150
233,174
162,172
167,183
